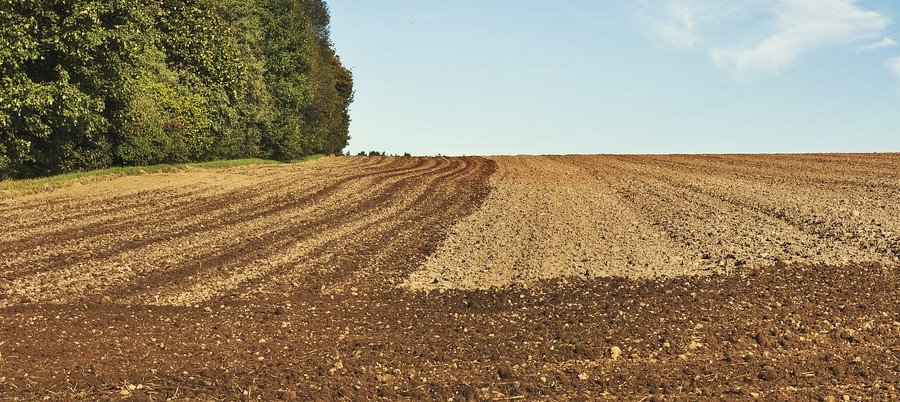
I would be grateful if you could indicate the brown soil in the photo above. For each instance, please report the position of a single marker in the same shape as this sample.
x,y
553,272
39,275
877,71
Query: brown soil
x,y
644,217
293,281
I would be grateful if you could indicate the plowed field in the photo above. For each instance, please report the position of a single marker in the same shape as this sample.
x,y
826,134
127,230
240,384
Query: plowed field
x,y
527,277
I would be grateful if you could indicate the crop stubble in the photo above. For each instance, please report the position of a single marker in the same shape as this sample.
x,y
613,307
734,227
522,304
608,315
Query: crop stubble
x,y
726,276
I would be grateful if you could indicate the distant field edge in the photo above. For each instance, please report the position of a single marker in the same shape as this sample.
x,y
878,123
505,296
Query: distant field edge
x,y
27,186
860,153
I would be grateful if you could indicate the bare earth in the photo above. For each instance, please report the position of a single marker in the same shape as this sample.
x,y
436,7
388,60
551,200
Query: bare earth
x,y
535,277
644,217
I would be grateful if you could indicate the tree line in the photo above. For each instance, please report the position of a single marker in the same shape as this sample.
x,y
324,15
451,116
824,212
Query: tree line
x,y
88,84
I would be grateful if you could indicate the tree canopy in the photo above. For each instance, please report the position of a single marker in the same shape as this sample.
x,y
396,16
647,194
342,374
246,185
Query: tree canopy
x,y
88,84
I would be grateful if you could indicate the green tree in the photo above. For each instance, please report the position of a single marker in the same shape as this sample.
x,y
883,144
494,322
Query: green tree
x,y
93,83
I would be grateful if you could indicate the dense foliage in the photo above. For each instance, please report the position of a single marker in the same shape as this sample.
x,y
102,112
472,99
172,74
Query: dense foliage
x,y
87,84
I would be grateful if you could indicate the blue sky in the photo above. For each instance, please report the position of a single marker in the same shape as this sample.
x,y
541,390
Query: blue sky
x,y
491,77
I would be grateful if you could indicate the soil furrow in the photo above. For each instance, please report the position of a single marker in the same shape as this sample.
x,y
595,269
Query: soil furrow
x,y
99,204
225,212
841,214
248,256
205,208
355,251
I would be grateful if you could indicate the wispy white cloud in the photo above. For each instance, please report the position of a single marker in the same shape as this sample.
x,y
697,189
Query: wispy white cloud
x,y
884,42
749,37
680,29
894,65
684,23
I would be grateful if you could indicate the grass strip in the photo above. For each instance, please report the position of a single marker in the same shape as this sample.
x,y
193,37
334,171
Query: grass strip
x,y
10,187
